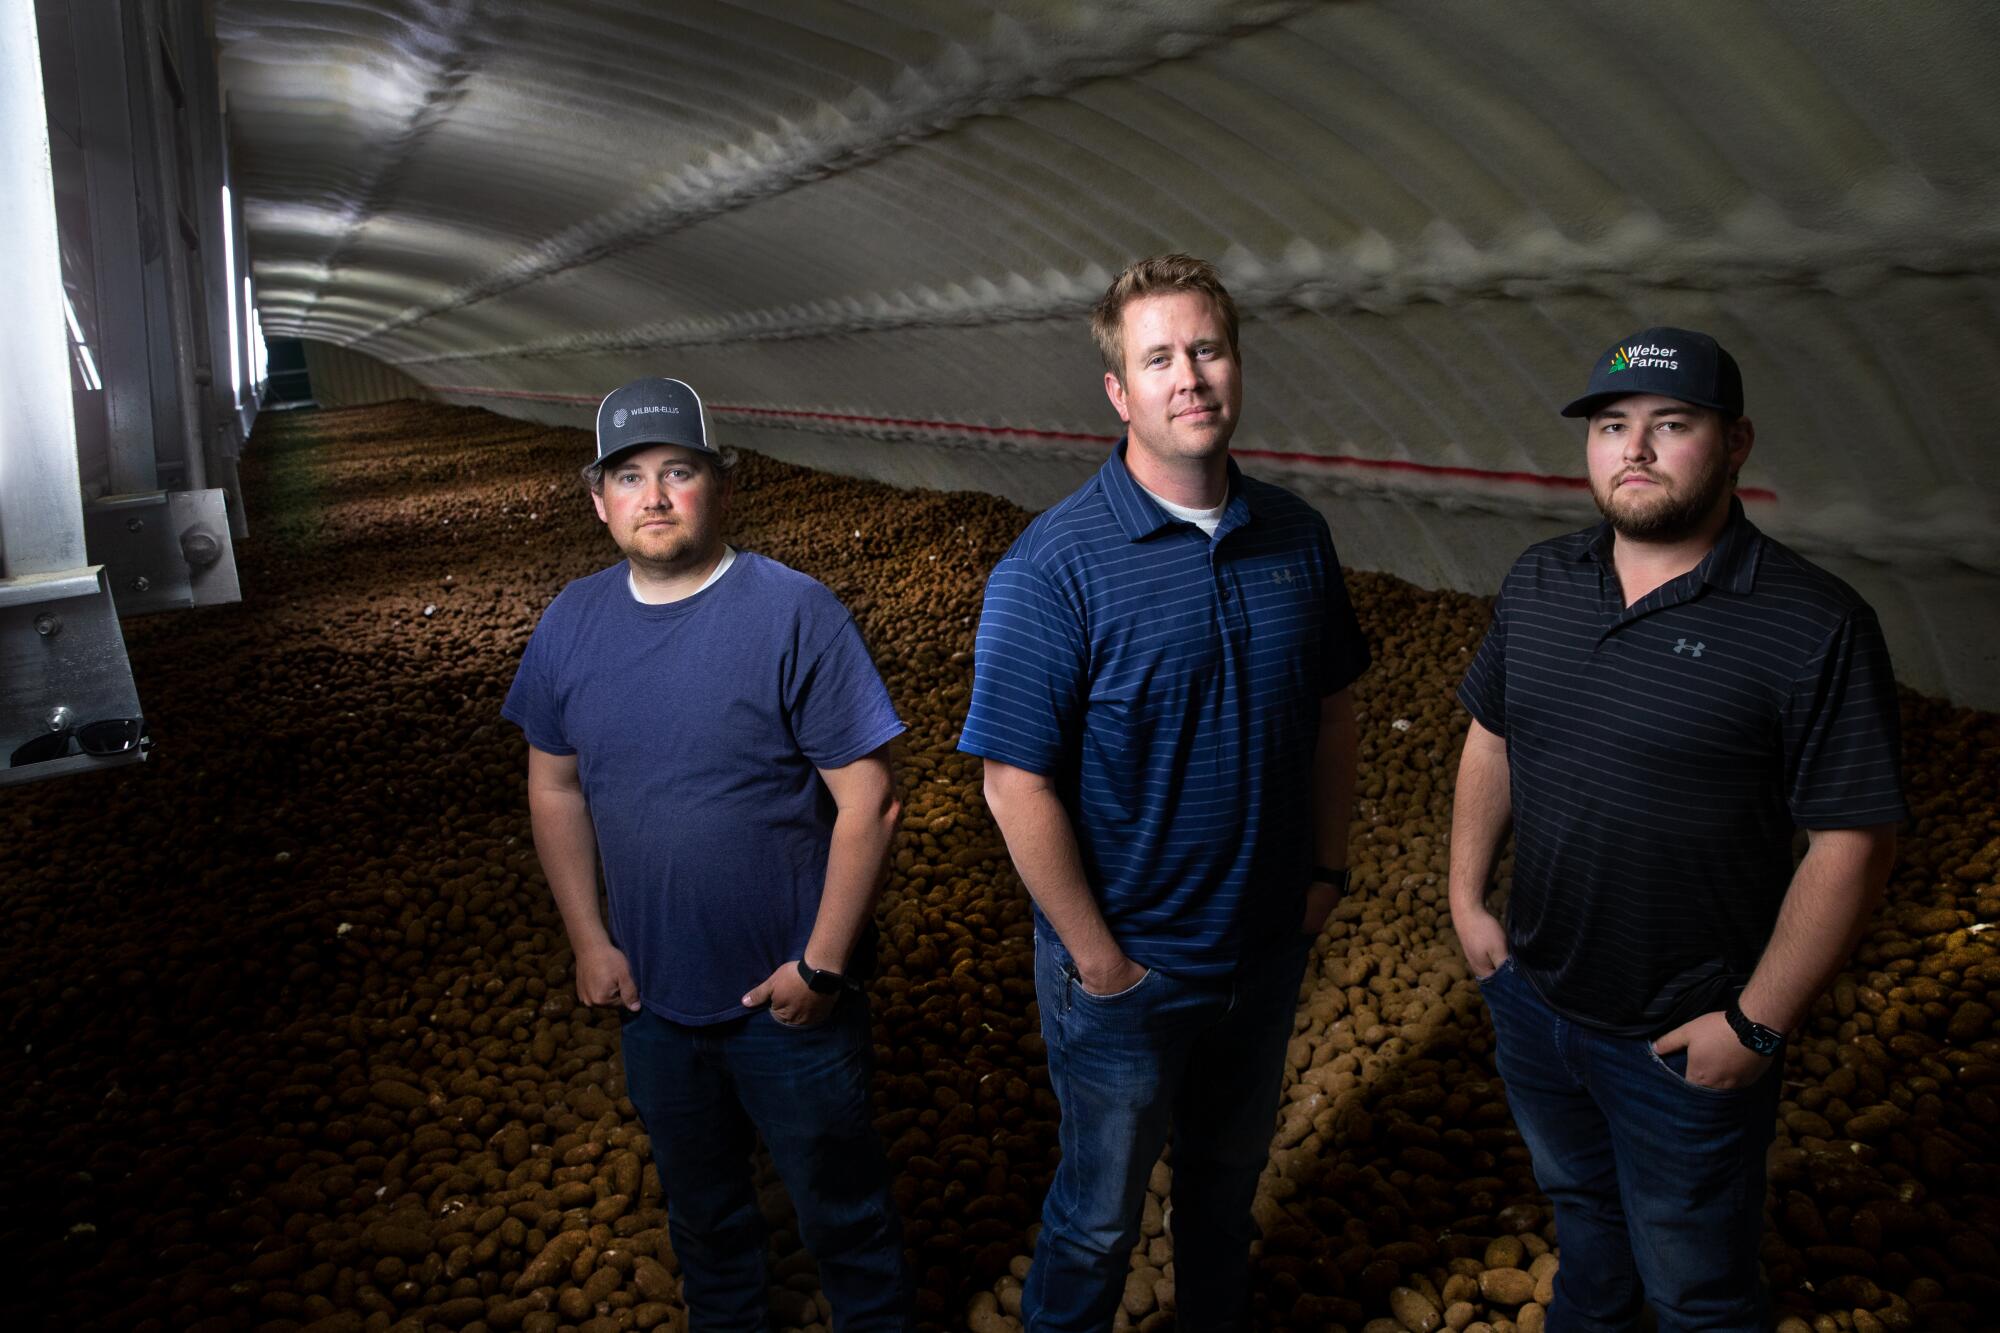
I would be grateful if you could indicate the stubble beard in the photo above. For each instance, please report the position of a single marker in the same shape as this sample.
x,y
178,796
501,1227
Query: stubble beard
x,y
1179,443
684,552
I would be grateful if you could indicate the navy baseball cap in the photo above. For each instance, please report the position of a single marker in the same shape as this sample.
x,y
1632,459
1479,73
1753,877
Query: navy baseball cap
x,y
1674,363
651,411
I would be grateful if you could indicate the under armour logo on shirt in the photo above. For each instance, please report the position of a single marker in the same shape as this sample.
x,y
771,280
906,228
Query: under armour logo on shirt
x,y
1284,576
1683,646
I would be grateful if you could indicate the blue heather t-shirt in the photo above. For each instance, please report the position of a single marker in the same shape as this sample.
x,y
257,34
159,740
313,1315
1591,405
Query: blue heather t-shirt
x,y
699,727
1170,683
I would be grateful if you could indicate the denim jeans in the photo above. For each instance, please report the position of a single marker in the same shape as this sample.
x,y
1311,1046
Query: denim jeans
x,y
1203,1059
704,1093
1658,1183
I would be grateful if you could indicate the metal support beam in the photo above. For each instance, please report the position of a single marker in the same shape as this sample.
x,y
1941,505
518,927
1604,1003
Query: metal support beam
x,y
164,550
62,655
41,505
246,335
161,120
106,103
209,155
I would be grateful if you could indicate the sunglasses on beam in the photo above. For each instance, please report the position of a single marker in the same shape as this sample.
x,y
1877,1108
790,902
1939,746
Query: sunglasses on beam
x,y
113,735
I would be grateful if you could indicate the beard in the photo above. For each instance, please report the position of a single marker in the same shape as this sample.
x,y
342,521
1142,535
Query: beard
x,y
1672,514
662,554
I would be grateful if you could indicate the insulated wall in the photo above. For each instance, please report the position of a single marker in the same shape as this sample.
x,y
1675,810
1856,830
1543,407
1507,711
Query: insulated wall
x,y
868,233
340,378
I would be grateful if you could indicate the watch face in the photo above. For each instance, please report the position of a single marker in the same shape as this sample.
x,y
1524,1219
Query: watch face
x,y
818,980
1754,1034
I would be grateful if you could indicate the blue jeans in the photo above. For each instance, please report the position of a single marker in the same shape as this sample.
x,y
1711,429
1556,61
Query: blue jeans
x,y
1658,1183
704,1093
1203,1058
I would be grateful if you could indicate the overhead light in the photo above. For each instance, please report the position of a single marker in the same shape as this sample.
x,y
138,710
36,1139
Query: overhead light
x,y
86,363
236,349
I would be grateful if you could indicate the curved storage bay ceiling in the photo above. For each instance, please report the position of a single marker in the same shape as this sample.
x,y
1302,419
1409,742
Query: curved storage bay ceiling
x,y
869,232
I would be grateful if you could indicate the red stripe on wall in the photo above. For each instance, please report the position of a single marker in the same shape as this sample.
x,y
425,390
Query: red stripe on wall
x,y
960,427
1343,461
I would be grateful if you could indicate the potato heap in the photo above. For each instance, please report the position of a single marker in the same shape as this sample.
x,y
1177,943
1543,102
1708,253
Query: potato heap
x,y
293,1044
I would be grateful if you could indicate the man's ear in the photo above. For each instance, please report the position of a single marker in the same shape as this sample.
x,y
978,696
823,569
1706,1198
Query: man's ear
x,y
597,499
1114,389
1742,436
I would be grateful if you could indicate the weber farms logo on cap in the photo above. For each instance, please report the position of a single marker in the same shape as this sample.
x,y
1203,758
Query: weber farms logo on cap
x,y
1643,355
1675,363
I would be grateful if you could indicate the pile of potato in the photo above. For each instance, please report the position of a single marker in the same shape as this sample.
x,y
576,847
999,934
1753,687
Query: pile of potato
x,y
292,1043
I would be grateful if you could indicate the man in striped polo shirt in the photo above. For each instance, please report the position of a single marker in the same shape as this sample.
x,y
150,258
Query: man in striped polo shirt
x,y
1661,701
1161,698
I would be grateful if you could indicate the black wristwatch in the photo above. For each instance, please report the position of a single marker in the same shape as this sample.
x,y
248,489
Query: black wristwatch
x,y
820,981
1753,1034
1328,875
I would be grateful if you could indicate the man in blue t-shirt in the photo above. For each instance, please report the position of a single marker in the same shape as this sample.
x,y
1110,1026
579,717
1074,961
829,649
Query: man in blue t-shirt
x,y
1661,700
1160,695
707,723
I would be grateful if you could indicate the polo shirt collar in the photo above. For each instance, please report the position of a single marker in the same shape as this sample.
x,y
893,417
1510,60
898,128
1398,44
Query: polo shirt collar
x,y
1731,564
1139,516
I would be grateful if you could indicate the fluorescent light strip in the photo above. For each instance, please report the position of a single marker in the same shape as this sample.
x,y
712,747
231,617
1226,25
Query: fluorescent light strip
x,y
260,360
91,379
229,269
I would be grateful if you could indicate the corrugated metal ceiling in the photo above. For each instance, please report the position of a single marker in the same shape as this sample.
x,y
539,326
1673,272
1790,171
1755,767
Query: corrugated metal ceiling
x,y
878,226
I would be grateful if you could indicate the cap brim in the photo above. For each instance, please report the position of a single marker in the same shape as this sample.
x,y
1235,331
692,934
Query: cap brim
x,y
1590,402
627,446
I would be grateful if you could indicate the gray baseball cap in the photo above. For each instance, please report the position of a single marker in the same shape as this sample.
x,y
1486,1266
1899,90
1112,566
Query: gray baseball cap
x,y
651,411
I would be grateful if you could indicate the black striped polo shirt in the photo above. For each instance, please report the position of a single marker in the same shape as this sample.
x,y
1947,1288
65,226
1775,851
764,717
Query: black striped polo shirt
x,y
1662,755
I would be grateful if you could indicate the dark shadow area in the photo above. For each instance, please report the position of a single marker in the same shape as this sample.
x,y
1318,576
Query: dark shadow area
x,y
286,383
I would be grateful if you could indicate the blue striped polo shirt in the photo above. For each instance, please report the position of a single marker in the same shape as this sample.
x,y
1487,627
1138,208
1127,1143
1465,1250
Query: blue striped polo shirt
x,y
1662,755
1170,683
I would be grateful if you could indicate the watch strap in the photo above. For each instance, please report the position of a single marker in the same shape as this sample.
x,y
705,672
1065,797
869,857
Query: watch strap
x,y
820,981
1328,875
1754,1035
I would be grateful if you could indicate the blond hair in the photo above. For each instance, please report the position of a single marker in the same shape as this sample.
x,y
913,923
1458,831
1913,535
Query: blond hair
x,y
1156,276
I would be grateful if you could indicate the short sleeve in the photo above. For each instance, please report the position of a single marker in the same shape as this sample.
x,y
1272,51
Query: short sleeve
x,y
840,709
1483,692
1344,652
1029,663
531,701
1842,732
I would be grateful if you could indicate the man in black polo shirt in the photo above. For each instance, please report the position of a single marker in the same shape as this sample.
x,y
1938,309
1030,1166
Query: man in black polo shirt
x,y
1661,701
